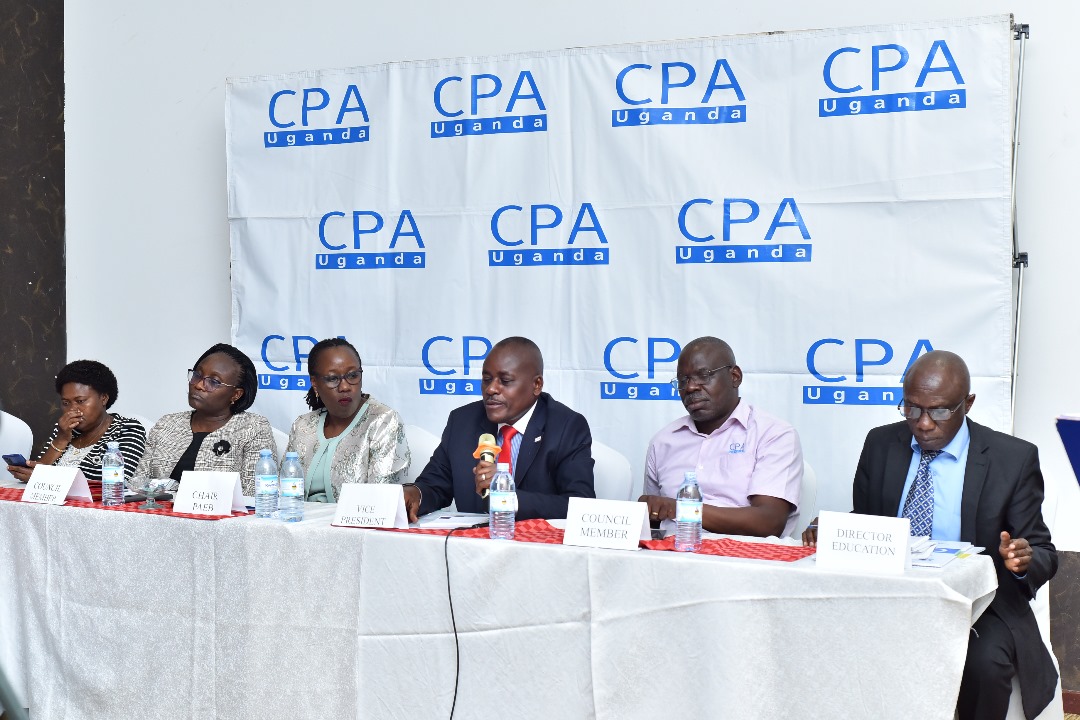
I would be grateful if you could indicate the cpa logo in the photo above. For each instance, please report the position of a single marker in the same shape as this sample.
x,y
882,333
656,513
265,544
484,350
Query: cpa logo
x,y
317,116
280,354
337,233
440,355
829,358
623,354
934,86
483,96
584,243
701,218
688,95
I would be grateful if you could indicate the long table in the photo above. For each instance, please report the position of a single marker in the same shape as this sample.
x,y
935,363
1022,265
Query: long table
x,y
123,615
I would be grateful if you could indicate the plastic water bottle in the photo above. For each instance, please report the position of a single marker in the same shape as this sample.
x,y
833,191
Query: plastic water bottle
x,y
502,504
291,502
688,514
112,475
266,485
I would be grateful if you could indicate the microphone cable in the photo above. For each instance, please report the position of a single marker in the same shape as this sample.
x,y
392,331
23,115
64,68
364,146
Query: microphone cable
x,y
453,620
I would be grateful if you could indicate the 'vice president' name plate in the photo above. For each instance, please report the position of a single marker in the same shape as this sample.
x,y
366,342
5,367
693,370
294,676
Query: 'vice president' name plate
x,y
371,505
863,543
612,524
51,485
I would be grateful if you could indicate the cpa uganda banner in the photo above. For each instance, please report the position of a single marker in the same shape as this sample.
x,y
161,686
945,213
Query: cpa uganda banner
x,y
833,203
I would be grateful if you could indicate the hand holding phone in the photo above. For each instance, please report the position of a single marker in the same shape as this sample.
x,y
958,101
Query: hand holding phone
x,y
19,467
15,459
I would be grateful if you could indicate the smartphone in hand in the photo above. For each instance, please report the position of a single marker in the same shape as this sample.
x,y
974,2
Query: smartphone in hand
x,y
15,460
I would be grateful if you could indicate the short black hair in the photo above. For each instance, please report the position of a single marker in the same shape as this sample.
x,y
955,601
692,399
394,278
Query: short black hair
x,y
249,378
312,399
92,374
530,348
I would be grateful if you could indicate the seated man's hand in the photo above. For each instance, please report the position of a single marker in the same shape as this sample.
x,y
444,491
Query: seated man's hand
x,y
482,474
660,508
412,501
809,535
1016,552
22,473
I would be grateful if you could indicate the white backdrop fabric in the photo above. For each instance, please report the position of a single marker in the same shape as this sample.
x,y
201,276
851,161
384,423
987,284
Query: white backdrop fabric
x,y
833,203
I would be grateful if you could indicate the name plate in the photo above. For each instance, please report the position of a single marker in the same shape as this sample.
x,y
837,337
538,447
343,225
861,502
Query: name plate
x,y
379,505
612,524
52,485
205,492
863,543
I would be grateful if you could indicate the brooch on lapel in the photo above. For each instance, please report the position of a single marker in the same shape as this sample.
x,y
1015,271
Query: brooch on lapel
x,y
221,447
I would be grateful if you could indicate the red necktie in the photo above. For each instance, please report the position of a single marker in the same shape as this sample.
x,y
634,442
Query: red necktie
x,y
506,453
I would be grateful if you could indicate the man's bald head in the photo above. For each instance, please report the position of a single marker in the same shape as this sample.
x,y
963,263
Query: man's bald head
x,y
939,380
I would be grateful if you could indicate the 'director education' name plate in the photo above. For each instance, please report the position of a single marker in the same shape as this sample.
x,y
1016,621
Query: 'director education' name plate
x,y
371,505
52,485
205,492
863,543
612,524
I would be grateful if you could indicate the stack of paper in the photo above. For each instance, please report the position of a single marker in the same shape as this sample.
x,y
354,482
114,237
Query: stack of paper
x,y
943,552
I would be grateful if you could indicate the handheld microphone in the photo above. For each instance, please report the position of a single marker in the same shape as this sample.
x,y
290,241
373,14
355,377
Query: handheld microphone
x,y
486,449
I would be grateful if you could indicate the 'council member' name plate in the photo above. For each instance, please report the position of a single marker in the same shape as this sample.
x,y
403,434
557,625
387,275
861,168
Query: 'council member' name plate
x,y
371,505
204,492
863,543
51,485
612,524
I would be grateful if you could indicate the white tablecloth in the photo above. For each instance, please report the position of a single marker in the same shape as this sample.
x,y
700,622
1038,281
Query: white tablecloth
x,y
125,615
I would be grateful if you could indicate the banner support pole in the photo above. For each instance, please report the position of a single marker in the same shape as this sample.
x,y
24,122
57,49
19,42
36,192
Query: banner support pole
x,y
1021,33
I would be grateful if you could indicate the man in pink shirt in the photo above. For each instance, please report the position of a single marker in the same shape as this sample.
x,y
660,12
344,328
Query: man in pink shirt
x,y
748,463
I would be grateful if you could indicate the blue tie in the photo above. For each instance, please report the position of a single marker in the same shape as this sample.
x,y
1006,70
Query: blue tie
x,y
919,506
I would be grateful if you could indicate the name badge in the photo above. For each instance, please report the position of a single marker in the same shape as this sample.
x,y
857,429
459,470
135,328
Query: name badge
x,y
863,543
52,485
205,492
612,524
371,505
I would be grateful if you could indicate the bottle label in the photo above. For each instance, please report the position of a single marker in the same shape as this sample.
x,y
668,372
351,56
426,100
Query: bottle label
x,y
688,511
503,502
266,484
292,487
112,475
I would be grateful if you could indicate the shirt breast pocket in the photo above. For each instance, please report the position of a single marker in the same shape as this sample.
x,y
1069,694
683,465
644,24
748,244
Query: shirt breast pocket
x,y
734,471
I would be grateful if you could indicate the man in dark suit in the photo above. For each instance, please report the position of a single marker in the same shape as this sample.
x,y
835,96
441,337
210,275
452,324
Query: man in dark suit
x,y
550,446
983,487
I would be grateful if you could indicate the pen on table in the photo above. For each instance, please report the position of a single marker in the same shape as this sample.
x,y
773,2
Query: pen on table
x,y
811,527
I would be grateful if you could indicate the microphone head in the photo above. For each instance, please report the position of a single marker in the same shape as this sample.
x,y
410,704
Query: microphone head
x,y
486,448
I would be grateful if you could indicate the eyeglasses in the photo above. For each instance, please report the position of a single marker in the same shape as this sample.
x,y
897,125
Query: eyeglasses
x,y
353,378
700,378
914,412
194,377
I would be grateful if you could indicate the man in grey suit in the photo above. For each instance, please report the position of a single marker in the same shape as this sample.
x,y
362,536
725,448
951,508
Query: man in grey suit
x,y
974,484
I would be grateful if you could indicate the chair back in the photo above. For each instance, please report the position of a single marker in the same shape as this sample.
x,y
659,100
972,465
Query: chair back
x,y
15,437
807,501
611,473
421,445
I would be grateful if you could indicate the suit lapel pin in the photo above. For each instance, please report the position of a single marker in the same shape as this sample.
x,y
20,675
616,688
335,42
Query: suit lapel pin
x,y
538,438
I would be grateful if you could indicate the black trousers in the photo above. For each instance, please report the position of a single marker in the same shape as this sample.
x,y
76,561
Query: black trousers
x,y
988,671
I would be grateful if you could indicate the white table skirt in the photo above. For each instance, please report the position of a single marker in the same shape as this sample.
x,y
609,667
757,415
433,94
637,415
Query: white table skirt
x,y
126,615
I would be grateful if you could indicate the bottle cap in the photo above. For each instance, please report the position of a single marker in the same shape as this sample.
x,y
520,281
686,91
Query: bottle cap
x,y
291,455
502,467
113,445
265,452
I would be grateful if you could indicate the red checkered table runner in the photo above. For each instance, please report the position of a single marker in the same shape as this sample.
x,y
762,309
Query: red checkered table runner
x,y
540,531
15,494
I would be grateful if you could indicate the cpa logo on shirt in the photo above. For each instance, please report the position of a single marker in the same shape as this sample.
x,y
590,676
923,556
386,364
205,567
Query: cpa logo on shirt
x,y
317,116
829,359
678,93
341,232
440,355
714,225
281,354
487,104
528,235
624,356
908,84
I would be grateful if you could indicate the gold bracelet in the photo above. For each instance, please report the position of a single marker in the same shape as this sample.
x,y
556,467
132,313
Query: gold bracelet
x,y
56,448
